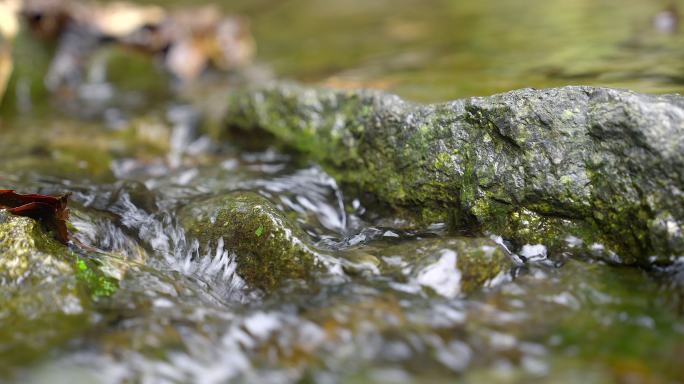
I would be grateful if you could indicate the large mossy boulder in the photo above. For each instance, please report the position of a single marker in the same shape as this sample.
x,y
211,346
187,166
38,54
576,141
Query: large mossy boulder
x,y
268,248
535,166
45,291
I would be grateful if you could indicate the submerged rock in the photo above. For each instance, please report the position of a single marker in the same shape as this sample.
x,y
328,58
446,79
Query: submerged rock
x,y
449,267
268,248
599,166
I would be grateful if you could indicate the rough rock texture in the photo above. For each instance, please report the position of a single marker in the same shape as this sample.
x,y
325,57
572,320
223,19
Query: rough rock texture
x,y
535,166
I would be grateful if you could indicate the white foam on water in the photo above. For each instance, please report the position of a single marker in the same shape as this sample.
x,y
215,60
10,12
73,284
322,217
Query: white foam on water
x,y
443,276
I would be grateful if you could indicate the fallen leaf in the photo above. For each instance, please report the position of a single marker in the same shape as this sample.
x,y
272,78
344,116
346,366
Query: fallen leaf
x,y
120,19
52,211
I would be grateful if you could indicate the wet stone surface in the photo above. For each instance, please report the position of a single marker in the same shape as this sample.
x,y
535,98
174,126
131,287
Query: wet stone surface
x,y
398,302
196,258
535,166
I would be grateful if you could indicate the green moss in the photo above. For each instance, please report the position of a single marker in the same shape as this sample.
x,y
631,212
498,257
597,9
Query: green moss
x,y
98,284
259,231
268,248
42,302
23,240
535,166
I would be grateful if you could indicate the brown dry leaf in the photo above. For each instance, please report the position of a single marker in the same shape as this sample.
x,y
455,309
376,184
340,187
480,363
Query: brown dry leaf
x,y
47,18
186,59
234,44
120,19
207,38
189,40
52,211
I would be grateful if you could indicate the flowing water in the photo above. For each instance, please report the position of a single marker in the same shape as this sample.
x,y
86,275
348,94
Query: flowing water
x,y
133,153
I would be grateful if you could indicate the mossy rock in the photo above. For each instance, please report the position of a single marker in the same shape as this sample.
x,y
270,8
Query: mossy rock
x,y
45,291
268,247
534,166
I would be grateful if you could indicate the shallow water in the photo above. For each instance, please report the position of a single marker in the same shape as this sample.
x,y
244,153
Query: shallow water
x,y
440,49
402,312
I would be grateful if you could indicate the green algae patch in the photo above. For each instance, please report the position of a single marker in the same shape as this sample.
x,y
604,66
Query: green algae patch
x,y
259,231
515,164
268,248
98,284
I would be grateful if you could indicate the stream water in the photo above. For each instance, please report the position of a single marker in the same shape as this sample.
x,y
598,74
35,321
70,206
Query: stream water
x,y
133,153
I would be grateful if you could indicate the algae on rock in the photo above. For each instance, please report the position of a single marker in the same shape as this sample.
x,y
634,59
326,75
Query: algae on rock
x,y
535,166
267,247
46,290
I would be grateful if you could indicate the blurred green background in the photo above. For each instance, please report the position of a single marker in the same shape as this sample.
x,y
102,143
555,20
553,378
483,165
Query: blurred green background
x,y
440,49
